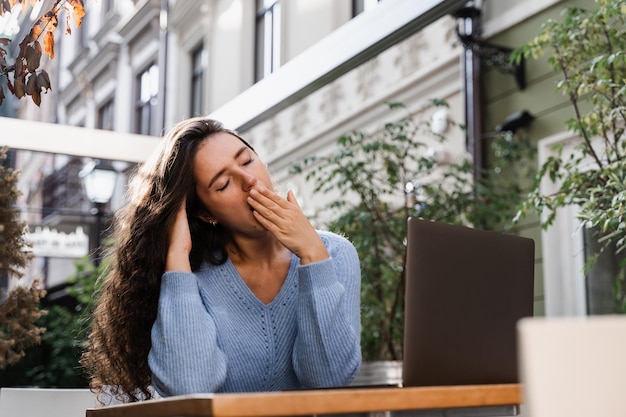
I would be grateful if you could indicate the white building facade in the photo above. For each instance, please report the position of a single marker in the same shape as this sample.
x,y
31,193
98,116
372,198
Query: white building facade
x,y
290,75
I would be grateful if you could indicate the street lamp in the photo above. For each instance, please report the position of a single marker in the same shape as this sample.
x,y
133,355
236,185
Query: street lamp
x,y
99,177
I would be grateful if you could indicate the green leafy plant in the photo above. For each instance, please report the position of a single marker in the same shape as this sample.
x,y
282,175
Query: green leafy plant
x,y
587,48
385,176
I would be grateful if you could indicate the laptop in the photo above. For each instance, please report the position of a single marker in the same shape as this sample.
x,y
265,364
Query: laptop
x,y
465,291
573,366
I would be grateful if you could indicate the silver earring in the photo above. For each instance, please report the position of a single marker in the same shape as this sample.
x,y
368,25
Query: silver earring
x,y
213,222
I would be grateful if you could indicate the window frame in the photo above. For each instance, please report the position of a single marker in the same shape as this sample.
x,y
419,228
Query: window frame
x,y
106,115
151,104
267,38
198,58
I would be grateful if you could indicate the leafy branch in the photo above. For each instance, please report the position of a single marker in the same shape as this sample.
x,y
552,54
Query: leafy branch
x,y
28,79
588,49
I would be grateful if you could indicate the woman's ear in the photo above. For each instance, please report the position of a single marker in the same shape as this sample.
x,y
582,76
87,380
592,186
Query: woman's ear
x,y
206,217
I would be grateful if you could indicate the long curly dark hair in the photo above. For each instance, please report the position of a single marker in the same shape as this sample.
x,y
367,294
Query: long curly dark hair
x,y
116,355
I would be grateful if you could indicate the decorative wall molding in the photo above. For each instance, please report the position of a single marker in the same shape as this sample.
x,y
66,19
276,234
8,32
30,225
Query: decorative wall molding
x,y
312,125
344,104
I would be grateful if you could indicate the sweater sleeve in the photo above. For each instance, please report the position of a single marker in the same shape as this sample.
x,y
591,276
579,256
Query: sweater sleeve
x,y
184,357
327,349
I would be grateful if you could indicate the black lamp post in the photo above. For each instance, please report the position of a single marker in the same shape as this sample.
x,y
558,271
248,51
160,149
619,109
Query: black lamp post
x,y
99,177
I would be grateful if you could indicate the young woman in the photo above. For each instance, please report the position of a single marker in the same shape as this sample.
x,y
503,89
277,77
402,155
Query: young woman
x,y
219,284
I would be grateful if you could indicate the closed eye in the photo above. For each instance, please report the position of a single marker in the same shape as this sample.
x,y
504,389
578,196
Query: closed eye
x,y
246,162
223,187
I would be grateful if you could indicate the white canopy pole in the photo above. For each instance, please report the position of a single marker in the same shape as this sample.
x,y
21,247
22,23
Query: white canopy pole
x,y
77,141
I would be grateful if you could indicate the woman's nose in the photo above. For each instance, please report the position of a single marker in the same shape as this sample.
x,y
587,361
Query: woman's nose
x,y
248,181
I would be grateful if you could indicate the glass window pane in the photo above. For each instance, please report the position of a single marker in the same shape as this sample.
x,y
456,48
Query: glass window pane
x,y
268,38
147,99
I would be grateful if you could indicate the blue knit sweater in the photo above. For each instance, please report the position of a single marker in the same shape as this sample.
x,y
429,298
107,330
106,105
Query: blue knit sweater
x,y
212,334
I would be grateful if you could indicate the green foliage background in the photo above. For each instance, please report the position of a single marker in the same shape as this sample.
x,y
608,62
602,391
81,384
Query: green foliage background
x,y
385,176
55,361
586,48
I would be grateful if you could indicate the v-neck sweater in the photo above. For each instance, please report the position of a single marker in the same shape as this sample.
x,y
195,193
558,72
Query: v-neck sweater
x,y
212,334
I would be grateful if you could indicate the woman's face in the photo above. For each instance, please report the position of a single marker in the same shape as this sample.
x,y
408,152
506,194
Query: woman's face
x,y
225,170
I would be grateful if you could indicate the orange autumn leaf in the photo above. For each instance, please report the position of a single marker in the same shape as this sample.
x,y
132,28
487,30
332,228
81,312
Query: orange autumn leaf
x,y
51,23
28,79
48,44
78,11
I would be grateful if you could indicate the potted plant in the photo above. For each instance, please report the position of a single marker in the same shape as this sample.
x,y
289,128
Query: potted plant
x,y
383,177
587,48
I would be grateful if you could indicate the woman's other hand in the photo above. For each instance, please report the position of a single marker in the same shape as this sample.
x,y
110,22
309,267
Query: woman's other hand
x,y
179,243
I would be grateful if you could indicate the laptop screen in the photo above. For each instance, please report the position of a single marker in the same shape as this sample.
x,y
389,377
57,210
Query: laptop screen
x,y
465,291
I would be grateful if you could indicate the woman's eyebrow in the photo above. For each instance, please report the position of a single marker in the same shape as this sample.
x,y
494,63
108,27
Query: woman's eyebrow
x,y
221,171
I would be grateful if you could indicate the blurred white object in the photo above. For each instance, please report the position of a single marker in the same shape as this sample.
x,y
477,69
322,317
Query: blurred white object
x,y
46,402
439,121
573,367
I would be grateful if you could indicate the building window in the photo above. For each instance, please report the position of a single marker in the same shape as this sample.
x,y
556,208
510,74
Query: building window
x,y
360,6
83,33
107,6
146,105
267,38
63,188
105,116
198,66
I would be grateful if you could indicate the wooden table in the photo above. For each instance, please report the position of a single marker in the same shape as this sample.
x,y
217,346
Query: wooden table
x,y
315,402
